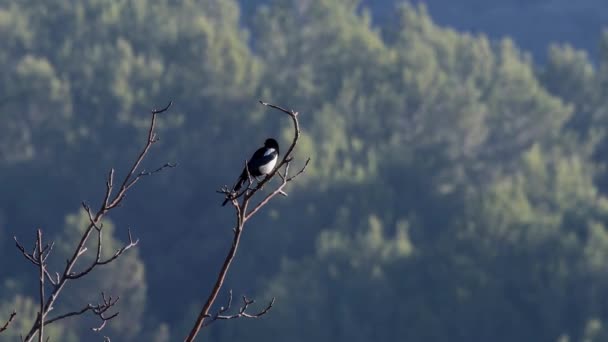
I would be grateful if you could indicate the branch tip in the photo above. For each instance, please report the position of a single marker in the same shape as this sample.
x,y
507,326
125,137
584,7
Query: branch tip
x,y
8,322
158,111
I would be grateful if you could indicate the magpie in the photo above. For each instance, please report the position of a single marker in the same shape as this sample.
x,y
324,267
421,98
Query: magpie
x,y
261,163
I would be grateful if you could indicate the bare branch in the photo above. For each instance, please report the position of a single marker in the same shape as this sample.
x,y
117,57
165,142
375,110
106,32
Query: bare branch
x,y
167,165
98,260
242,312
121,250
109,187
288,112
8,322
50,278
92,220
249,179
278,190
242,215
41,266
131,177
238,230
166,108
299,172
231,194
69,314
28,256
99,310
111,199
46,251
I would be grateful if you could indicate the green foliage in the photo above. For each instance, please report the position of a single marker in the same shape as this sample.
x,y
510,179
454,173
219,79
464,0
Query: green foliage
x,y
456,191
327,296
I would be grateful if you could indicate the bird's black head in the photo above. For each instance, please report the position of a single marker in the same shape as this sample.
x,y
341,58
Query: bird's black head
x,y
271,143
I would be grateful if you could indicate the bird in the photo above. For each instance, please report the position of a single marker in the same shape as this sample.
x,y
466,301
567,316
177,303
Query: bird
x,y
261,163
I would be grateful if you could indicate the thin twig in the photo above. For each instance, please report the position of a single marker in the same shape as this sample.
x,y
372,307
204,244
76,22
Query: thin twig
x,y
28,256
42,275
167,165
99,310
242,312
8,322
98,261
277,191
110,201
120,250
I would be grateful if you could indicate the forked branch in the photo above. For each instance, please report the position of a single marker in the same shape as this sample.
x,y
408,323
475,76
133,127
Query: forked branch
x,y
242,311
111,199
242,216
98,309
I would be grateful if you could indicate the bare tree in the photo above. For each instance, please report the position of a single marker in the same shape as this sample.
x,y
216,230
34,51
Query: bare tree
x,y
243,214
112,198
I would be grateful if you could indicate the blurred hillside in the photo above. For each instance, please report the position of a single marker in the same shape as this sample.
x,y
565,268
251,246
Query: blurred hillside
x,y
457,191
533,24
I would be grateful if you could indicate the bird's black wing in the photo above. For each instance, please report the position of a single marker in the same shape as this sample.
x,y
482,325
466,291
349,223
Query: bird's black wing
x,y
260,158
253,165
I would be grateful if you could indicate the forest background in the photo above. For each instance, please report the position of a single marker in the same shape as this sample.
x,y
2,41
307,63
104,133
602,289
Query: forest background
x,y
457,189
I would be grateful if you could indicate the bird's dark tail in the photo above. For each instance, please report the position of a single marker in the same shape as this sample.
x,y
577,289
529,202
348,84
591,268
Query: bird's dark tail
x,y
238,185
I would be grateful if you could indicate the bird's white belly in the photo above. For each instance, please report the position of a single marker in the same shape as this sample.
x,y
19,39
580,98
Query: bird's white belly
x,y
266,168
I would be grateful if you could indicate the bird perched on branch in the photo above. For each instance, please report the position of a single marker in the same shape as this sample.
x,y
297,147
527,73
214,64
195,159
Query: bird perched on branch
x,y
261,163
